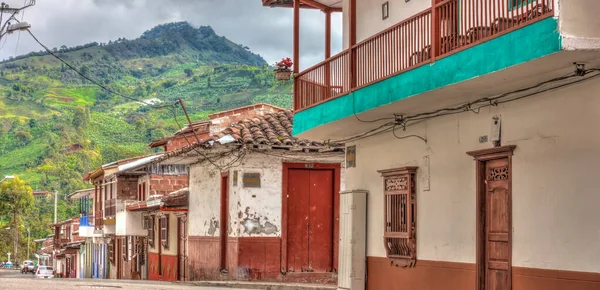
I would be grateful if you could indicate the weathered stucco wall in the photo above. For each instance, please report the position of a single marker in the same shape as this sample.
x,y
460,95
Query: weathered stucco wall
x,y
252,211
554,182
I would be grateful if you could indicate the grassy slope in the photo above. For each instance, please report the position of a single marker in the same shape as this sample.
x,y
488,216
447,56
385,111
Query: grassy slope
x,y
49,94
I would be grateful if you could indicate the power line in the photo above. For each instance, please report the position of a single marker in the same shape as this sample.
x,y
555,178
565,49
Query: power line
x,y
474,107
19,35
94,81
171,106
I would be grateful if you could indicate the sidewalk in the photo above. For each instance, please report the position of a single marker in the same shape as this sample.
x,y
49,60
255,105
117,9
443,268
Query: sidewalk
x,y
261,285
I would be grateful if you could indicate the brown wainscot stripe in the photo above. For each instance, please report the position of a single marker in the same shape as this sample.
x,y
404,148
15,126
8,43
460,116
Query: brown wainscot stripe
x,y
430,275
433,275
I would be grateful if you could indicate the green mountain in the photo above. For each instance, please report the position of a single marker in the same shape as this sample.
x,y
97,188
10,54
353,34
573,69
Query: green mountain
x,y
55,126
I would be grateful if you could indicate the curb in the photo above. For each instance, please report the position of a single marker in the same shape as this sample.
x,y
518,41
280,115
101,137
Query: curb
x,y
255,285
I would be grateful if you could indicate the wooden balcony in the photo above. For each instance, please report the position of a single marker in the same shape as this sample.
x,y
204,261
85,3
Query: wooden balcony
x,y
449,26
110,208
99,220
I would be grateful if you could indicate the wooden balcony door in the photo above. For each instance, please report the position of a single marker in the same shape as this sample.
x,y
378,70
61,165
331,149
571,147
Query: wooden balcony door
x,y
310,220
494,218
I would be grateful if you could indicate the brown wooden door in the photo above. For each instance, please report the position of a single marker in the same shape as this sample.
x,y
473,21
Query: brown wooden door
x,y
181,247
497,225
224,219
310,220
119,257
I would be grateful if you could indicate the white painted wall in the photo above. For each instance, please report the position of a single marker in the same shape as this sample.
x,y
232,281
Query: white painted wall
x,y
130,224
555,198
249,208
369,20
578,24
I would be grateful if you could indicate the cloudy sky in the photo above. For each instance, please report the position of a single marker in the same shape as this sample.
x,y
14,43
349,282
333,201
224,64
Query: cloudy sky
x,y
267,31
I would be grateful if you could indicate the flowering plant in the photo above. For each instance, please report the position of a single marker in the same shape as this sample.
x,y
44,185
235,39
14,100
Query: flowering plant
x,y
285,64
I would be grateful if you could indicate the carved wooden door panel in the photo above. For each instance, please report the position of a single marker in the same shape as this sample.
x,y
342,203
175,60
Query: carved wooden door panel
x,y
498,225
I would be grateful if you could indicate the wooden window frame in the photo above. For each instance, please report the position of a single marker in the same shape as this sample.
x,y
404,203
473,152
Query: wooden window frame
x,y
385,10
400,215
125,248
164,231
111,250
151,233
144,196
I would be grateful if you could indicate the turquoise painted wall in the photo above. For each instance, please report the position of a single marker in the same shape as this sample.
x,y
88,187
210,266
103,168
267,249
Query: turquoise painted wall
x,y
534,41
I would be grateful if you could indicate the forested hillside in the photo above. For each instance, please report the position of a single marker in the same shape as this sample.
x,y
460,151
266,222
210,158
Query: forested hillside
x,y
55,126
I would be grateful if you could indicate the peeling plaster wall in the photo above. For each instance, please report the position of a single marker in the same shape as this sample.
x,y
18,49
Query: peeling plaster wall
x,y
253,212
204,200
259,211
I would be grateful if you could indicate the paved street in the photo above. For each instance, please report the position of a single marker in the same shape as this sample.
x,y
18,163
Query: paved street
x,y
14,280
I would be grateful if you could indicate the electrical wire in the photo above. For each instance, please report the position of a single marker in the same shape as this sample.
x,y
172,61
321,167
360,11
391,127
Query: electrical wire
x,y
474,107
407,136
94,81
19,35
367,121
171,106
197,150
6,39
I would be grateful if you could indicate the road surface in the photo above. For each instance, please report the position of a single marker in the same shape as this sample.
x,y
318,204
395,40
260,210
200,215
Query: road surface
x,y
14,280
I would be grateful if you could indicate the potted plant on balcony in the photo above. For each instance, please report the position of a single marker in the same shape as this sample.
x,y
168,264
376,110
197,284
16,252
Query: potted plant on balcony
x,y
283,71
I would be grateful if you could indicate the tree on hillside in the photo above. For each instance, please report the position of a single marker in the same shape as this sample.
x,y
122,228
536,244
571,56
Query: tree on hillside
x,y
188,72
16,198
81,119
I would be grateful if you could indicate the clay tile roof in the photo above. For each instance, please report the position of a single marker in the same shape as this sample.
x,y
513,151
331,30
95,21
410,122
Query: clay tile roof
x,y
179,198
271,129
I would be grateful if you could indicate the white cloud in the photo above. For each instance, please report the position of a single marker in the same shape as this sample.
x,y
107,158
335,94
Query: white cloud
x,y
267,31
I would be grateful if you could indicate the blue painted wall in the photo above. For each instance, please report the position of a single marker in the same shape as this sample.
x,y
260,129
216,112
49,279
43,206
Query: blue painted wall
x,y
534,41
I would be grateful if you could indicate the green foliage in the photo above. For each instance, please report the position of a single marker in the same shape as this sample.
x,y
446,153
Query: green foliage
x,y
46,109
16,199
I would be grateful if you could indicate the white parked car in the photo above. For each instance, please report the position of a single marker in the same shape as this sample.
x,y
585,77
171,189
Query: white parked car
x,y
44,272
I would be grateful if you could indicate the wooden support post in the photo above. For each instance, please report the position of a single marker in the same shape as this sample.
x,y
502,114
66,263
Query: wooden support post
x,y
327,53
352,42
296,36
327,34
435,31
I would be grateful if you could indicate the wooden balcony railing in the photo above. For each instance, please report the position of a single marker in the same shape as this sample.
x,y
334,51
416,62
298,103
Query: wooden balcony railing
x,y
443,29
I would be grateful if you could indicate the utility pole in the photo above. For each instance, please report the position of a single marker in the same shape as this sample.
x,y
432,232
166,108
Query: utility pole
x,y
28,242
6,27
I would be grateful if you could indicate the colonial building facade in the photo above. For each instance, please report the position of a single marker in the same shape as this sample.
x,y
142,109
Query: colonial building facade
x,y
467,125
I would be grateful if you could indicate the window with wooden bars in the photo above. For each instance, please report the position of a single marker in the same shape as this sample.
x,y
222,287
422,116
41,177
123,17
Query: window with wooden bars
x,y
164,231
151,231
400,215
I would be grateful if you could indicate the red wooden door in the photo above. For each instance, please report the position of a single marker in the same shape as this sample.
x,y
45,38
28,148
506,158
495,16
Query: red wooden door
x,y
498,225
224,219
310,220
